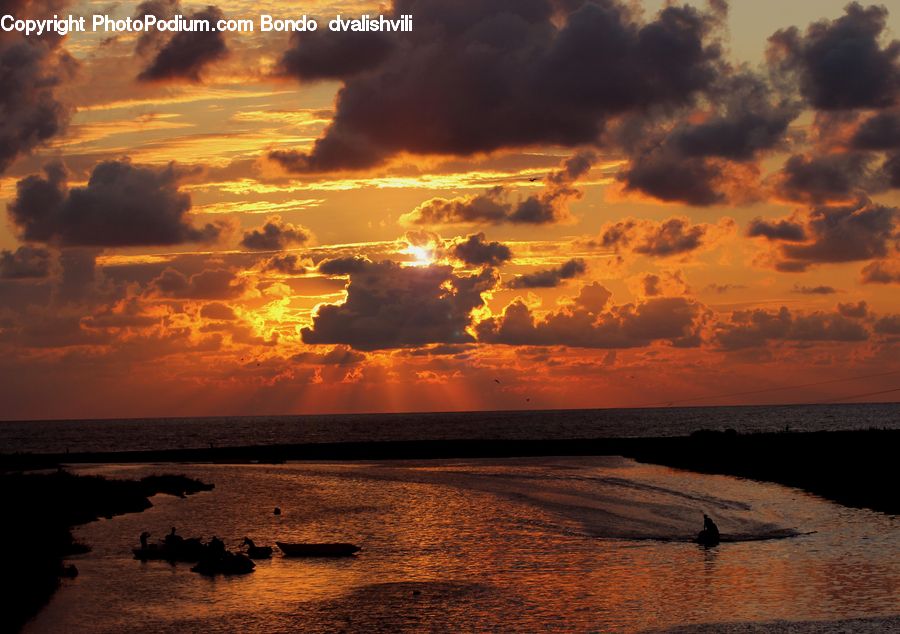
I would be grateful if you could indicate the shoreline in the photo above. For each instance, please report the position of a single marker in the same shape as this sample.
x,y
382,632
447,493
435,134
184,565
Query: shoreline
x,y
46,506
853,468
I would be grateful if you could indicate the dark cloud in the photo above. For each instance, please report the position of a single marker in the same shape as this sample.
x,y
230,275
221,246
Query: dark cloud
x,y
344,266
275,235
592,323
122,205
476,77
891,170
339,355
828,177
881,272
858,310
475,250
784,230
288,263
671,237
692,161
217,311
879,132
24,263
209,284
666,283
550,278
814,290
186,54
490,207
843,234
31,69
128,313
755,328
889,325
841,64
394,306
495,206
751,119
669,176
334,55
78,282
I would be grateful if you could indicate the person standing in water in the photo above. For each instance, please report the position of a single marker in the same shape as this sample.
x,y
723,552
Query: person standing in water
x,y
709,526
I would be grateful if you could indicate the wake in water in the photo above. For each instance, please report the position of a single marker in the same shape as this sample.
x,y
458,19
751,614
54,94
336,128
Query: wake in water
x,y
607,497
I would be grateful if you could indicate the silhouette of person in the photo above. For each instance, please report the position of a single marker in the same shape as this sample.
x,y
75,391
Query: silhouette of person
x,y
710,526
173,540
144,537
216,547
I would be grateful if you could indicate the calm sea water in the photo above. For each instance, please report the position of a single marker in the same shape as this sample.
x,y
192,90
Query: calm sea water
x,y
516,545
119,435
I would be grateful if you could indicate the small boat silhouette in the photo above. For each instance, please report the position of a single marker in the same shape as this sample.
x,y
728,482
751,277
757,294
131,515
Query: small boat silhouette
x,y
318,550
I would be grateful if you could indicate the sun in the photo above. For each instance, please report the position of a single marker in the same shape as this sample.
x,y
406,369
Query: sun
x,y
423,256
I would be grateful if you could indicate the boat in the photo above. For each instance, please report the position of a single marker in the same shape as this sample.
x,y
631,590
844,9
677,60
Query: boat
x,y
226,563
708,538
337,549
186,550
257,552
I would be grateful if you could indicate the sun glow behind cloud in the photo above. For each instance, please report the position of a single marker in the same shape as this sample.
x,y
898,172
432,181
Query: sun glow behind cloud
x,y
694,305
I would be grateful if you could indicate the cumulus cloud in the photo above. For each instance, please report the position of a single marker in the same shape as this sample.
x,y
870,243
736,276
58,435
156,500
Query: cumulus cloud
x,y
827,178
675,236
208,284
591,322
475,250
859,310
755,328
695,162
344,266
24,263
841,64
393,306
217,311
879,132
881,272
334,55
889,325
185,55
287,263
496,206
659,284
862,231
477,77
550,278
121,205
31,69
275,235
784,230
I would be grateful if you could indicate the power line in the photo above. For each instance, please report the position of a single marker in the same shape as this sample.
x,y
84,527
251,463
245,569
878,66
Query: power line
x,y
775,389
847,398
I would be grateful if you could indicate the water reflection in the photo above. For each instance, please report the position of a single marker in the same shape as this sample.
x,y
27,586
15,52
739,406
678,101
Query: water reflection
x,y
513,545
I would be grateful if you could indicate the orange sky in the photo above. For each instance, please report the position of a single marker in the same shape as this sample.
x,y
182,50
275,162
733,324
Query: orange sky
x,y
532,208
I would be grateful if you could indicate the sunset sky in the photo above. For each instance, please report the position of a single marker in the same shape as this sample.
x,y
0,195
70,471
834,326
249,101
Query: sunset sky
x,y
520,204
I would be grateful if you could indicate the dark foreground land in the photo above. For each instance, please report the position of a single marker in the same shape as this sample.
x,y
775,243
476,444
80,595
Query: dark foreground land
x,y
855,468
39,511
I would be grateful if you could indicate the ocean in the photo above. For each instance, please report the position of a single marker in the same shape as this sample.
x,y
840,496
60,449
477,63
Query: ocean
x,y
189,433
597,544
574,544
